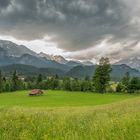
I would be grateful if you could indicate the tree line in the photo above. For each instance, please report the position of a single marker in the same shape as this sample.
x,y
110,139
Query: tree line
x,y
128,84
101,82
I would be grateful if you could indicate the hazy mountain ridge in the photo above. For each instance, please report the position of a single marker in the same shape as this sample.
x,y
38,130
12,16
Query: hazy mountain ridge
x,y
28,70
15,50
133,62
81,72
27,59
118,71
11,53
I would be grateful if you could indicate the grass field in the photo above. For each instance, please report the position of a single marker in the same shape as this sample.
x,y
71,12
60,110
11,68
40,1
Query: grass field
x,y
60,115
59,99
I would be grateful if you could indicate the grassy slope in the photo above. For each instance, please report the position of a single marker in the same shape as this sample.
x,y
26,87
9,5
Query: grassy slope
x,y
117,121
59,99
114,121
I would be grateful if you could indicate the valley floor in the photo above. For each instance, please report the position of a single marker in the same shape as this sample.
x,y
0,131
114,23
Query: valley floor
x,y
60,115
52,98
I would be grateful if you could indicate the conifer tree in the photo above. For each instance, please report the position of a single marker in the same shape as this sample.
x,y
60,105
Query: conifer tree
x,y
1,85
15,81
102,75
125,82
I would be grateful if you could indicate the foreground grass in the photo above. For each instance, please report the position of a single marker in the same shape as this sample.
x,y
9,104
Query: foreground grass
x,y
117,121
60,115
59,99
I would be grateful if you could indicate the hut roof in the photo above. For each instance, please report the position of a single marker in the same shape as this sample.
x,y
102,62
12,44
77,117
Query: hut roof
x,y
36,92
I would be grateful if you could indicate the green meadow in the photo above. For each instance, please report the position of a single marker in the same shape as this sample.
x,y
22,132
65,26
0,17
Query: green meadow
x,y
62,115
59,99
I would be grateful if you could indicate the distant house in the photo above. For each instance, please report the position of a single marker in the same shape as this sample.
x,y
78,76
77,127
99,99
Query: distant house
x,y
36,92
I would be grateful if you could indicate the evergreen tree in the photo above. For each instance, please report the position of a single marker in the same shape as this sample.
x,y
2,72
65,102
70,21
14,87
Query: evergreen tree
x,y
102,75
75,85
39,81
1,85
119,88
134,85
15,81
39,78
56,76
86,85
125,82
55,83
7,86
87,78
67,84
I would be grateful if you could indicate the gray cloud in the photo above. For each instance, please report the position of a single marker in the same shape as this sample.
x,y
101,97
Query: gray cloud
x,y
73,24
4,3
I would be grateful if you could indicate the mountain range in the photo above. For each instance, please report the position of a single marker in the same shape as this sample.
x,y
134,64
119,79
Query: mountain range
x,y
26,61
133,62
76,72
11,53
117,71
8,48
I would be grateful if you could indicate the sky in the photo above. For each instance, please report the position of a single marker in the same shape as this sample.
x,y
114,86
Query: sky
x,y
75,29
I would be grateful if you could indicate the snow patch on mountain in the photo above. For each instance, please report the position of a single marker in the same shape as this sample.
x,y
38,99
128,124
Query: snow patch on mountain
x,y
14,50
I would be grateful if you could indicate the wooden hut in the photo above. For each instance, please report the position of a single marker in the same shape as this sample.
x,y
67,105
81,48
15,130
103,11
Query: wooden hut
x,y
36,92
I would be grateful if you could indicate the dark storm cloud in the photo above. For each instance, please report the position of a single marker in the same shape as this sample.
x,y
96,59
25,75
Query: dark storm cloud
x,y
4,3
73,24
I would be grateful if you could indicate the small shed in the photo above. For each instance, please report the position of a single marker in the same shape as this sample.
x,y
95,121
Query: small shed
x,y
36,92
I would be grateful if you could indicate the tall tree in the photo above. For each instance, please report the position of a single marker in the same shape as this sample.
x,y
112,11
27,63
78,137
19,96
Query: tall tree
x,y
75,85
102,75
39,78
119,87
15,83
39,81
125,82
134,85
67,84
1,85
